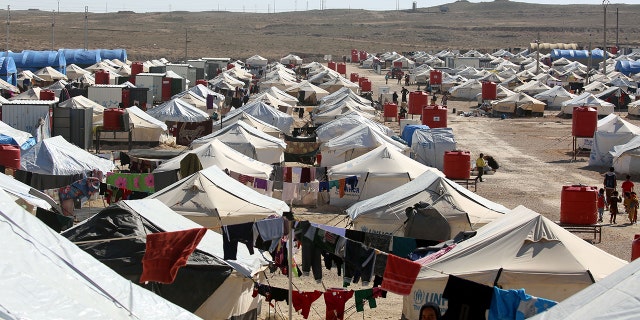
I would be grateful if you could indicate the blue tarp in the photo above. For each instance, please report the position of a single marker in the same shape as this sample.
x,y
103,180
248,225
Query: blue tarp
x,y
628,67
8,70
36,60
576,54
82,58
120,54
408,130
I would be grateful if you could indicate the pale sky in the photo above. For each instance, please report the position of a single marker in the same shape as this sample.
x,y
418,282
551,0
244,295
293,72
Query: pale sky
x,y
262,6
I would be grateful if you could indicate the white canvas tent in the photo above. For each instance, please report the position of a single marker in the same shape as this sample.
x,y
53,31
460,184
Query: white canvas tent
x,y
429,146
614,297
80,102
291,59
348,121
626,157
263,112
634,108
522,249
467,90
587,99
463,209
518,103
179,111
355,143
615,131
249,141
379,170
56,156
337,109
73,284
312,93
256,61
252,121
50,74
18,190
211,198
216,153
555,96
144,128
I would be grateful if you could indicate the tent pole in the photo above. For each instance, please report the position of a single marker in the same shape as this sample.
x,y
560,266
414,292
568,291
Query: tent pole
x,y
290,262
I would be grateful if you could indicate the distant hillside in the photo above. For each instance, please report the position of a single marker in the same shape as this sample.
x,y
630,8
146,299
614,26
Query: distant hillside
x,y
312,34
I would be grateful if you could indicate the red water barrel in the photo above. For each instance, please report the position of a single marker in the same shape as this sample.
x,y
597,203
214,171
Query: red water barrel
x,y
489,91
435,77
397,64
363,55
332,65
417,100
10,156
342,68
166,89
126,98
101,76
113,119
579,205
614,50
362,79
365,85
355,58
434,116
354,77
390,111
318,158
47,95
635,247
457,164
202,82
584,122
136,67
354,51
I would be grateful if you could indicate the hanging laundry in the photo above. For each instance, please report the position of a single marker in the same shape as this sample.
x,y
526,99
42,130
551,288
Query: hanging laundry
x,y
323,186
325,240
290,191
232,234
270,230
378,241
359,261
351,182
341,184
296,174
260,183
166,252
269,190
381,264
270,293
335,300
287,174
302,301
364,295
144,182
83,188
516,304
402,246
354,235
466,299
246,180
305,175
399,275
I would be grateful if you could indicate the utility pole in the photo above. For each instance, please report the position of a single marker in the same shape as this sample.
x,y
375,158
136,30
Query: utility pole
x,y
53,31
604,44
8,24
617,30
86,26
186,41
538,54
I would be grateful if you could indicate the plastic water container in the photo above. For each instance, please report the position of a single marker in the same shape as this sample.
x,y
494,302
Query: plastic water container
x,y
579,204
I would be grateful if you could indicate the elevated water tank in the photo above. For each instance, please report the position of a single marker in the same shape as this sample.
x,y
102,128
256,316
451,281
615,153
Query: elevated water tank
x,y
434,116
489,91
10,156
417,100
584,122
457,164
113,119
47,95
579,204
390,112
435,77
342,68
101,76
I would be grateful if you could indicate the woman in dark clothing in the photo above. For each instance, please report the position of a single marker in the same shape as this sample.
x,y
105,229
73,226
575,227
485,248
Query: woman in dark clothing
x,y
430,311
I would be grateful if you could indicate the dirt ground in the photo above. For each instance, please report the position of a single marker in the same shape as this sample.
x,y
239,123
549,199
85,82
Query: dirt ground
x,y
536,160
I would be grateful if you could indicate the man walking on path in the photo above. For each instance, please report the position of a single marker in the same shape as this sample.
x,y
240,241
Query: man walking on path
x,y
480,164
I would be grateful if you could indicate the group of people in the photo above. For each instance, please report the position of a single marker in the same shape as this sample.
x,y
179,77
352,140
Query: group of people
x,y
609,198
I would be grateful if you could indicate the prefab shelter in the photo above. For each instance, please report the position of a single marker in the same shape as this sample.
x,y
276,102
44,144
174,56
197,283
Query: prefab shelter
x,y
430,145
249,141
211,198
355,143
219,154
32,116
526,250
82,286
463,209
378,171
616,131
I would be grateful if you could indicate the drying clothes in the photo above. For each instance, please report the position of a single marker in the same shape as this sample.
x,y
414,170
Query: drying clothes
x,y
365,295
516,304
341,184
232,234
234,175
83,188
166,252
55,221
269,189
399,275
325,240
270,229
466,299
296,174
244,179
335,230
359,261
311,259
277,177
334,184
335,300
331,260
270,293
286,174
302,301
354,235
305,176
432,257
164,179
314,186
260,184
144,182
189,165
402,246
323,186
381,264
377,241
351,182
290,191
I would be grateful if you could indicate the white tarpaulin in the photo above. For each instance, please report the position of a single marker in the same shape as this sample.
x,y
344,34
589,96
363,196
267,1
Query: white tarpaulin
x,y
55,156
252,121
430,145
588,100
555,96
263,112
345,123
13,136
179,111
626,157
615,131
47,277
522,249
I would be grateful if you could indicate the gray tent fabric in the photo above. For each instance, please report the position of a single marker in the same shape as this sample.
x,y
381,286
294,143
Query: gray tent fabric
x,y
425,222
56,156
429,146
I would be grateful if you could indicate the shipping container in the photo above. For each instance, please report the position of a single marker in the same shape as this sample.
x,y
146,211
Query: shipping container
x,y
26,115
74,125
106,95
153,81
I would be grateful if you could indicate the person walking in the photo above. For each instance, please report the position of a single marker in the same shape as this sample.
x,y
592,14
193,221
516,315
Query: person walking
x,y
445,98
395,97
404,93
602,202
386,78
613,206
609,182
633,208
480,164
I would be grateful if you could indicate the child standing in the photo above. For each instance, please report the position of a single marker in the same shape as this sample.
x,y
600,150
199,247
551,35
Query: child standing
x,y
602,202
613,206
633,208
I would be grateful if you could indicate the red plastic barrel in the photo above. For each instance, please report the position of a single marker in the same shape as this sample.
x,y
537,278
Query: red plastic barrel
x,y
390,111
202,82
10,156
366,86
136,67
318,158
332,65
361,80
354,77
230,66
126,98
435,77
397,64
457,164
47,95
363,55
417,100
489,91
635,247
101,76
434,116
579,205
342,68
113,119
355,58
584,122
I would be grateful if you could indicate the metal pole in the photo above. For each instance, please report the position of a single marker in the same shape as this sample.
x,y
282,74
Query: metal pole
x,y
290,266
617,30
186,41
604,33
53,31
86,26
8,24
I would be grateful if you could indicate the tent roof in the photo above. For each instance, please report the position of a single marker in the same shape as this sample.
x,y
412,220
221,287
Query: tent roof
x,y
224,157
81,102
587,99
56,156
239,133
382,161
360,137
141,119
557,91
210,194
18,189
265,113
20,137
254,122
178,110
50,74
80,284
345,123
